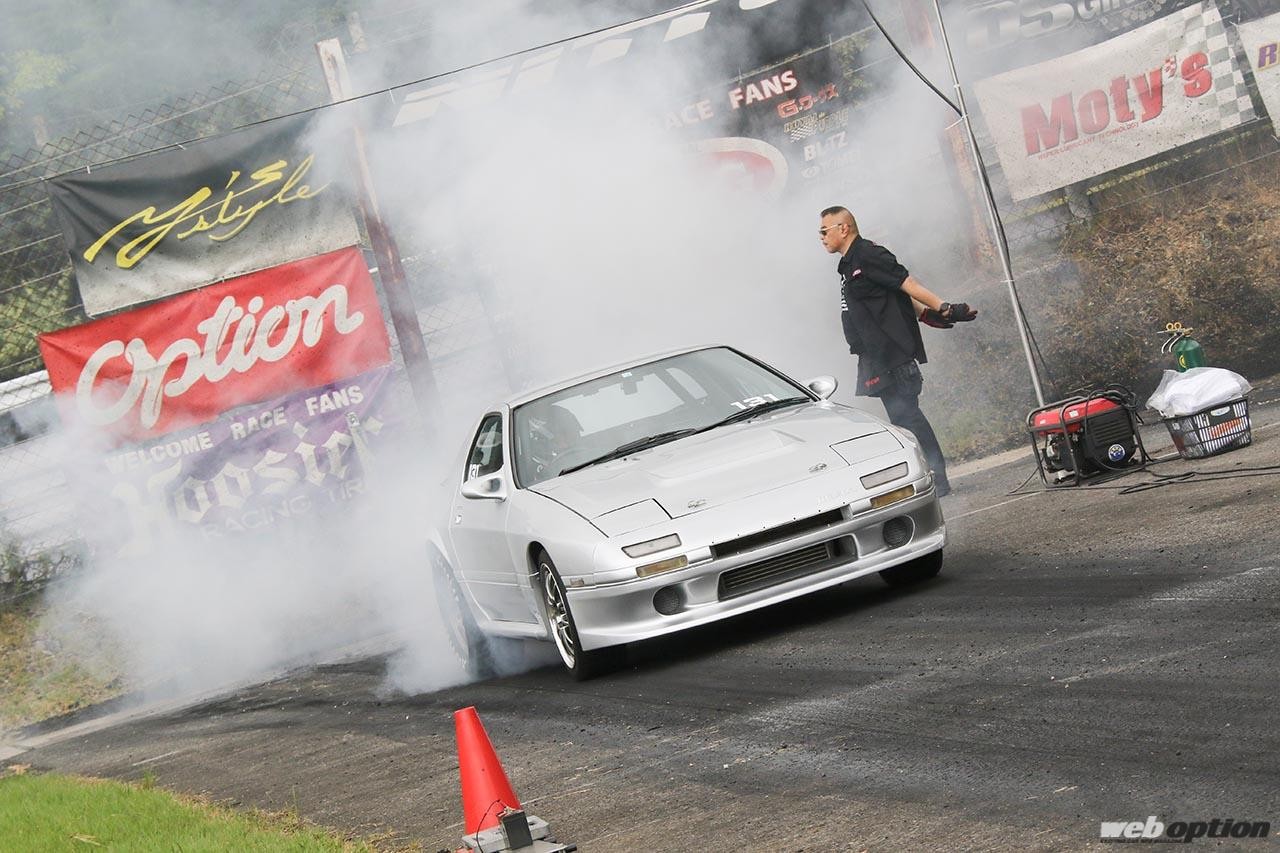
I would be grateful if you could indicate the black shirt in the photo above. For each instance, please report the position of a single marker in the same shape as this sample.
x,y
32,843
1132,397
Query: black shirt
x,y
878,317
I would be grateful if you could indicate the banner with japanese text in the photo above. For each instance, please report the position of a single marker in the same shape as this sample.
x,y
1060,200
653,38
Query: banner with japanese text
x,y
1165,84
152,226
186,360
1261,40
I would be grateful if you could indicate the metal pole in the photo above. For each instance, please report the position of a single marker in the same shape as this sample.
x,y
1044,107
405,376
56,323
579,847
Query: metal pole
x,y
404,316
991,210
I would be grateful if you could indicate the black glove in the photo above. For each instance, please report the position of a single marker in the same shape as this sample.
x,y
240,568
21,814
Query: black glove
x,y
935,319
957,312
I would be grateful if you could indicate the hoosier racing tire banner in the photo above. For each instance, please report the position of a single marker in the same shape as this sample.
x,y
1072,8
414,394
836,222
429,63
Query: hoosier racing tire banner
x,y
255,468
1165,84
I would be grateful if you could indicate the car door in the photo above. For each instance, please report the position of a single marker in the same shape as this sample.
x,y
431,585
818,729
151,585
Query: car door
x,y
478,526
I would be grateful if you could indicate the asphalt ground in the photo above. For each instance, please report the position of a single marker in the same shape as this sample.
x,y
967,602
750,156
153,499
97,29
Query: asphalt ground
x,y
1087,655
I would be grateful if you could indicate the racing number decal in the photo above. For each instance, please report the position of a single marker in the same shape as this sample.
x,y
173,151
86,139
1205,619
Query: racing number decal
x,y
752,402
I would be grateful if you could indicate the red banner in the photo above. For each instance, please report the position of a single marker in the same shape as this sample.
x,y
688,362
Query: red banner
x,y
187,359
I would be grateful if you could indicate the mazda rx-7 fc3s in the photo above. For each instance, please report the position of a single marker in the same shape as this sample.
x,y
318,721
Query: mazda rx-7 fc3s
x,y
672,492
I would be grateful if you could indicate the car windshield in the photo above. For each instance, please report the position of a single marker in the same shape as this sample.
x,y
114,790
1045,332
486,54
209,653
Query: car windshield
x,y
642,406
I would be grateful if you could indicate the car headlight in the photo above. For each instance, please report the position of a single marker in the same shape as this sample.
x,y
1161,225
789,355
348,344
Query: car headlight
x,y
652,546
884,475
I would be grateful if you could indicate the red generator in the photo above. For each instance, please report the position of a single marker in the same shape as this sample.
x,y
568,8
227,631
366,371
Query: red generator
x,y
1082,437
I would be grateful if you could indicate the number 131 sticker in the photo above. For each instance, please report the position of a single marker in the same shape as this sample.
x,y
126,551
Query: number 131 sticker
x,y
752,402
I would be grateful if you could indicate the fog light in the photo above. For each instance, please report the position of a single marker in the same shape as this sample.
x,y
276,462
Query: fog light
x,y
668,600
897,531
892,497
663,566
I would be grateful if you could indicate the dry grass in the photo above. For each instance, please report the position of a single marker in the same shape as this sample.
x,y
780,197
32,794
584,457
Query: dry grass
x,y
37,681
1164,248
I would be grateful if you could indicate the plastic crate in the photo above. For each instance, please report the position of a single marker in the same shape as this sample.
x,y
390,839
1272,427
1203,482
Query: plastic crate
x,y
1216,429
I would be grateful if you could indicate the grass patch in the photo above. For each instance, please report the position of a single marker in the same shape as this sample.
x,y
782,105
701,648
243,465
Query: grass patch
x,y
36,681
51,812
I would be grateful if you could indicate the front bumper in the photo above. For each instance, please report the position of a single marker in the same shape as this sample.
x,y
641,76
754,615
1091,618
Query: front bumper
x,y
611,614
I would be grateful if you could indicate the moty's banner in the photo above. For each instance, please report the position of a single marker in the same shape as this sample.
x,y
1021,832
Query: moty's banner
x,y
1165,84
1261,39
189,358
167,222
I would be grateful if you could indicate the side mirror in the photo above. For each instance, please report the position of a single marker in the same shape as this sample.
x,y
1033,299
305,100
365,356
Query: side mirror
x,y
823,386
487,488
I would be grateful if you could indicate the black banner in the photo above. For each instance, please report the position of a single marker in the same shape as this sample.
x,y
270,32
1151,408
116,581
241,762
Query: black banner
x,y
167,222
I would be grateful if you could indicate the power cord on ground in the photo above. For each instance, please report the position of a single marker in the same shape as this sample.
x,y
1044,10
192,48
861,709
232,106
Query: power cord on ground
x,y
1160,481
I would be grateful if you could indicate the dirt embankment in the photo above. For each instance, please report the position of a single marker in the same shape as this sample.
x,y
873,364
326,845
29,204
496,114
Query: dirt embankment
x,y
1196,243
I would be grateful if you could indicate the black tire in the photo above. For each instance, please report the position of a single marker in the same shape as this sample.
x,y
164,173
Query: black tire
x,y
564,633
914,571
466,640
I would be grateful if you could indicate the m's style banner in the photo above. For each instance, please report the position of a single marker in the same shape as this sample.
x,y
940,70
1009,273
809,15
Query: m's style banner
x,y
1165,84
253,469
168,222
188,359
1261,40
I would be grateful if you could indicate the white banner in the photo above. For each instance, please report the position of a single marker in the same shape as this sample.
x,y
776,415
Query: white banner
x,y
1165,84
1261,40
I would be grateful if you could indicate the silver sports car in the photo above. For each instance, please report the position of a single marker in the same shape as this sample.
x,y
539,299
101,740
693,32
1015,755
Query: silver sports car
x,y
669,493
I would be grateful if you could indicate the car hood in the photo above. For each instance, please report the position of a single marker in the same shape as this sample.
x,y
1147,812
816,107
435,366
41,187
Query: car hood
x,y
718,466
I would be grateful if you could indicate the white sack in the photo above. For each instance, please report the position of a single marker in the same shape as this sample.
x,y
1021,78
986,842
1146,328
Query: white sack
x,y
1181,394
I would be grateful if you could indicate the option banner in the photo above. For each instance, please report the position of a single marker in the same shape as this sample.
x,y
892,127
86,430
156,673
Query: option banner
x,y
185,360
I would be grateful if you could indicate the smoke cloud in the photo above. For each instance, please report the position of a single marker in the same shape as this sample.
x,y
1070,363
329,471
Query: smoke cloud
x,y
593,234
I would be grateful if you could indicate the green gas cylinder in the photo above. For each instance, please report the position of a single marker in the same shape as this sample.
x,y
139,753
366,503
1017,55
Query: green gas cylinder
x,y
1188,354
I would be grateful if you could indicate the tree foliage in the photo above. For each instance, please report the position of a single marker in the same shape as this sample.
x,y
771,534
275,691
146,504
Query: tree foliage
x,y
24,72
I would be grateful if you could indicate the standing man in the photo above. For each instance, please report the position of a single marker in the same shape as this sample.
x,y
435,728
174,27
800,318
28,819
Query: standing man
x,y
881,306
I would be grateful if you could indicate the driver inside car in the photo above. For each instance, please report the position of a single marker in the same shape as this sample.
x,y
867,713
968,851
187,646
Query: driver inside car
x,y
555,435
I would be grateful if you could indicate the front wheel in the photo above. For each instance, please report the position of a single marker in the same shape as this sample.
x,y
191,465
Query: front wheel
x,y
914,571
581,664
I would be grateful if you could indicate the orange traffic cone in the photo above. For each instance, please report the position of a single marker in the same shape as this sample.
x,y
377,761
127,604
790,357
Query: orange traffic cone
x,y
485,788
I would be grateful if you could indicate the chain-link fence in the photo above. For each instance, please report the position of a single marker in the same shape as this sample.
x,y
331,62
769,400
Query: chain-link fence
x,y
37,293
1100,266
1103,265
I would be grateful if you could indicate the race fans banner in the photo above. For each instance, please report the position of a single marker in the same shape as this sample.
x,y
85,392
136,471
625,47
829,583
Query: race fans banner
x,y
1165,84
186,360
785,123
252,469
1261,41
165,223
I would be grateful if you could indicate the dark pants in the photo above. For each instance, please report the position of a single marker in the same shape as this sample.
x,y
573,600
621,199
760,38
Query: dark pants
x,y
902,404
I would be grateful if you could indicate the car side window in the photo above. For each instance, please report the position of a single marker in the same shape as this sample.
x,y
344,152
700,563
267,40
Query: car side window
x,y
485,456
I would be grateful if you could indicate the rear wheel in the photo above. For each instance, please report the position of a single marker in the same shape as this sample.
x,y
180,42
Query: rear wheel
x,y
564,633
914,571
468,642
